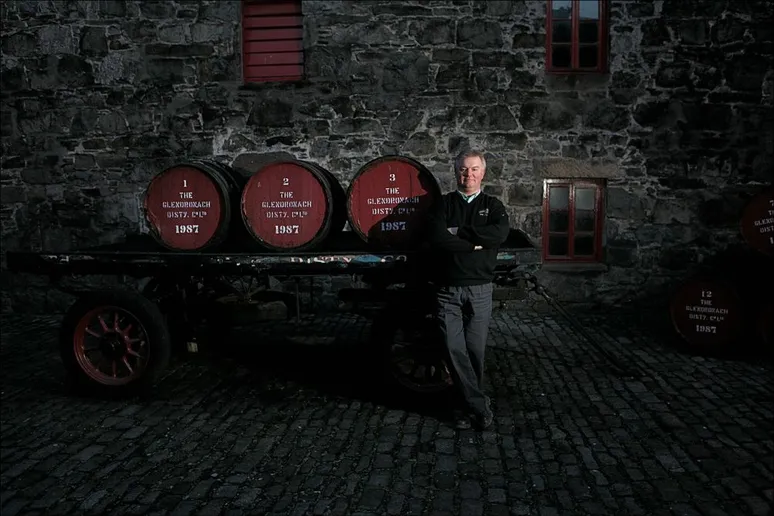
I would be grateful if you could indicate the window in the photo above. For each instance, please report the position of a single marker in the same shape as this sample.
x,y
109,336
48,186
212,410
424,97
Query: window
x,y
572,220
576,36
272,40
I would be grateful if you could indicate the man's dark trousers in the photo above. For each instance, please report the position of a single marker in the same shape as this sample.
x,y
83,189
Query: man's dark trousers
x,y
463,315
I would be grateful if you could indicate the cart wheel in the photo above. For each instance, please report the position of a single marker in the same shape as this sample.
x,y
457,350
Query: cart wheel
x,y
411,353
114,343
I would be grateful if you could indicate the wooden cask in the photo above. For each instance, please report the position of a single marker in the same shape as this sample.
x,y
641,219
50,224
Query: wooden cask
x,y
726,305
707,313
388,201
190,206
293,205
757,222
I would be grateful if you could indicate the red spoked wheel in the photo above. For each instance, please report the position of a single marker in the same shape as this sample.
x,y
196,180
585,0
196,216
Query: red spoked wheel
x,y
114,342
111,346
413,356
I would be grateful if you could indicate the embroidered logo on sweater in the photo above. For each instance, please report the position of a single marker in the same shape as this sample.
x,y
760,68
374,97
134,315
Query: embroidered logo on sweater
x,y
484,212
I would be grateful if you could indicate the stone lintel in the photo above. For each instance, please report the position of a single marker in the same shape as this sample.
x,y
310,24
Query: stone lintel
x,y
561,168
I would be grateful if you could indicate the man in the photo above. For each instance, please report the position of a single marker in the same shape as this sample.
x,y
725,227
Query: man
x,y
465,231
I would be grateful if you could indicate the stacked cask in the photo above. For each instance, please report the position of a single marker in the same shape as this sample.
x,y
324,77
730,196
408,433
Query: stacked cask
x,y
289,205
728,307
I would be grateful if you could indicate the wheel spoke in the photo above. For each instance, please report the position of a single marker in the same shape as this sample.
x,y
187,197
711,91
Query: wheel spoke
x,y
102,323
133,353
93,333
129,367
116,328
115,369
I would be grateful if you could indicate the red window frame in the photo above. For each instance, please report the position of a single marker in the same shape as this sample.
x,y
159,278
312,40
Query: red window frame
x,y
571,232
602,44
272,40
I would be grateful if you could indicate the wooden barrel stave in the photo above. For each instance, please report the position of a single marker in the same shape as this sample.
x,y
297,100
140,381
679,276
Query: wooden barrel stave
x,y
388,200
290,205
178,226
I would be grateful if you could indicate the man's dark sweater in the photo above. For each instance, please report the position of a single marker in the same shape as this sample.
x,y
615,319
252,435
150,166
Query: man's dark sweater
x,y
481,222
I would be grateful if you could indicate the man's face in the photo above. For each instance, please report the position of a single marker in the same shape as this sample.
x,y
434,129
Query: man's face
x,y
470,174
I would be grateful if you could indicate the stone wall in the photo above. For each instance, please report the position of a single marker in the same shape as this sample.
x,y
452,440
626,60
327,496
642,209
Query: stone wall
x,y
97,96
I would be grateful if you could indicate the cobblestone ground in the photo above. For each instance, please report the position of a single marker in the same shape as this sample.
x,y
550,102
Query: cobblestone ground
x,y
301,428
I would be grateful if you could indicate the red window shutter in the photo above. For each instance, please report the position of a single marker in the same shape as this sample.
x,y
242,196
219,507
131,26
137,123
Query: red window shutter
x,y
577,34
272,40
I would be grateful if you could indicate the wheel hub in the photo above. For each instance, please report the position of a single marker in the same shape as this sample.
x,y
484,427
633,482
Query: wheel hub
x,y
112,346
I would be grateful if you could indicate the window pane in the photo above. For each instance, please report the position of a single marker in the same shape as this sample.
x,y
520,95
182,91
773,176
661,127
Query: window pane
x,y
558,221
557,245
588,56
560,56
588,32
589,9
561,9
559,197
584,220
562,32
584,245
584,198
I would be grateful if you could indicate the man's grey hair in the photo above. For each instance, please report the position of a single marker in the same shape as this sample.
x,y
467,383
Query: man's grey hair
x,y
471,153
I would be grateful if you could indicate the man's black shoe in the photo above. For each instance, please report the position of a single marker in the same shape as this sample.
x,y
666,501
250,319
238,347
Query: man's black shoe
x,y
484,421
461,420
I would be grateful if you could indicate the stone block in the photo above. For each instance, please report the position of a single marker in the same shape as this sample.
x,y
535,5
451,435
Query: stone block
x,y
693,32
625,204
271,113
420,144
668,211
491,118
406,71
453,76
673,75
655,33
74,71
174,50
165,71
525,194
546,115
604,114
507,142
19,45
574,168
621,253
433,31
56,40
12,194
744,73
157,9
112,9
93,41
479,33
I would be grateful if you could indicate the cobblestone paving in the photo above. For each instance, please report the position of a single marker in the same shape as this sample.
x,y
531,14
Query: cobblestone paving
x,y
302,429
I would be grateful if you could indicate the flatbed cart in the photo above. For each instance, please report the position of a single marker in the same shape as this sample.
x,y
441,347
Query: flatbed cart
x,y
120,341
